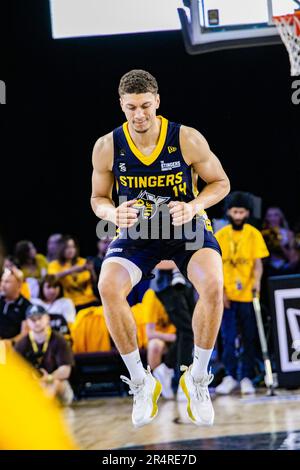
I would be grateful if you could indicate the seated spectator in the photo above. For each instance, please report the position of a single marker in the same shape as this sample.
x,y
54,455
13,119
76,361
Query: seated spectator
x,y
102,246
75,273
280,240
161,340
297,240
32,264
12,305
89,331
53,246
60,309
9,262
48,352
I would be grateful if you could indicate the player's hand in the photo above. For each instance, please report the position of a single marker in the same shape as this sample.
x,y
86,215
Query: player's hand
x,y
181,212
126,215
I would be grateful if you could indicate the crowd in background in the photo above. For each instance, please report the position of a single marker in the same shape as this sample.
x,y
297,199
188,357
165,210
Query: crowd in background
x,y
50,305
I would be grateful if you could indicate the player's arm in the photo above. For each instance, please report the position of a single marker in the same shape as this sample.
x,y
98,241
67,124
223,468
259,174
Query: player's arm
x,y
102,185
103,179
197,153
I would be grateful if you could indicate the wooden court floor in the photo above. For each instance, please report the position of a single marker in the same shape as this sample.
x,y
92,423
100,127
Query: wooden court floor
x,y
241,423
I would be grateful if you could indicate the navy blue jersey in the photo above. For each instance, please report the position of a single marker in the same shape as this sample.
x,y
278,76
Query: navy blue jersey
x,y
157,178
160,177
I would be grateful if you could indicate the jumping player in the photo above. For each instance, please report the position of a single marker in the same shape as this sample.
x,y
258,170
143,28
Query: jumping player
x,y
152,162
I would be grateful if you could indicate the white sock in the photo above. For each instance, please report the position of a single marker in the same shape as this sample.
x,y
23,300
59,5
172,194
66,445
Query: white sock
x,y
200,363
135,366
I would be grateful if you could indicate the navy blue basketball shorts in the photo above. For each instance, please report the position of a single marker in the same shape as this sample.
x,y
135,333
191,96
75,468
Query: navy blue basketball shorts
x,y
141,256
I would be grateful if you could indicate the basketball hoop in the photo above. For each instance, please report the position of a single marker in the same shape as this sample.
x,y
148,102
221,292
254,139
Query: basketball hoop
x,y
289,29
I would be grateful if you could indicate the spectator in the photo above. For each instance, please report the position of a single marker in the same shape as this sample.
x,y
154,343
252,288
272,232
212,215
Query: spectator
x,y
33,265
9,262
53,245
242,249
102,246
60,309
75,273
12,305
297,239
280,240
48,352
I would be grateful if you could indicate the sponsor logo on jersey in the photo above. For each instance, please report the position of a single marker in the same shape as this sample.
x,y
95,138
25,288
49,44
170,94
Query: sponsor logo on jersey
x,y
169,166
122,167
114,250
172,149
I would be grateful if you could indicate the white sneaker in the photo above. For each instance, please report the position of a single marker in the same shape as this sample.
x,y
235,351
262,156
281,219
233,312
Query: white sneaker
x,y
180,395
227,385
199,407
164,375
247,387
145,396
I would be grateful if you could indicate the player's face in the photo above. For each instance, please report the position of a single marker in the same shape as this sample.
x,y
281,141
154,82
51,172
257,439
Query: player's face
x,y
140,110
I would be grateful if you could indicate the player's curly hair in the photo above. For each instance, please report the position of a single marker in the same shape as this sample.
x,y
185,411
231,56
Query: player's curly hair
x,y
138,81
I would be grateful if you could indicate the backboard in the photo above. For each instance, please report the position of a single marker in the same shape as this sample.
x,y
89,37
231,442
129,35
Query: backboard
x,y
224,24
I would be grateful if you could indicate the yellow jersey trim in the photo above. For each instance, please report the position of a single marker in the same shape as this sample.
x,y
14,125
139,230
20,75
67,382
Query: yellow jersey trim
x,y
148,159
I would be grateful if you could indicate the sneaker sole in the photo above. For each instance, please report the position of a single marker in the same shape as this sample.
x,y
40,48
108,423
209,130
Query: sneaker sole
x,y
156,395
189,411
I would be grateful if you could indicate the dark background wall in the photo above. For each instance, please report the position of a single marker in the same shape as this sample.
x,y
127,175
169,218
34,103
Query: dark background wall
x,y
62,95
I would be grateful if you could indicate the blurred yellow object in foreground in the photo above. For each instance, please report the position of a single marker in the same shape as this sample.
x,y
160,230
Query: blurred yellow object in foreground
x,y
29,419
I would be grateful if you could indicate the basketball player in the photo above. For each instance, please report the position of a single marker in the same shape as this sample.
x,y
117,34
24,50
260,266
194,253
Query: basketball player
x,y
154,161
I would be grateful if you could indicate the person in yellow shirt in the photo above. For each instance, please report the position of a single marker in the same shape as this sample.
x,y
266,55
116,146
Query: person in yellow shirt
x,y
243,248
33,265
75,273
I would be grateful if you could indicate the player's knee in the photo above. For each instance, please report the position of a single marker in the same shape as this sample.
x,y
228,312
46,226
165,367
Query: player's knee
x,y
108,289
213,291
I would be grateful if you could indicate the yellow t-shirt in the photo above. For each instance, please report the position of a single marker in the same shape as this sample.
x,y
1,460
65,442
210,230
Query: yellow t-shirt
x,y
156,313
240,249
25,290
78,286
89,331
39,271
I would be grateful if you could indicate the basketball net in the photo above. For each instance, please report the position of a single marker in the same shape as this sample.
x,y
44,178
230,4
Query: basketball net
x,y
289,29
